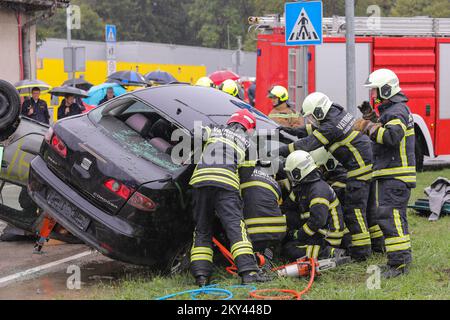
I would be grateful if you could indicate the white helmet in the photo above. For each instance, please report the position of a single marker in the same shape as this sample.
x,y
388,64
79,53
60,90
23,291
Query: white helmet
x,y
324,158
386,81
298,166
316,104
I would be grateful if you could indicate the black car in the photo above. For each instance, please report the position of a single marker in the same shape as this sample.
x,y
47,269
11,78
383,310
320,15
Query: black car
x,y
108,178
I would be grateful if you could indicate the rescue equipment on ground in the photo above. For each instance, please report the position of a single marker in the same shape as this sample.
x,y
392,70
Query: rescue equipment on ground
x,y
44,233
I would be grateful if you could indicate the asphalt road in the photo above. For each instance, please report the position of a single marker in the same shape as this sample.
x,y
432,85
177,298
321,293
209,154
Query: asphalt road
x,y
53,274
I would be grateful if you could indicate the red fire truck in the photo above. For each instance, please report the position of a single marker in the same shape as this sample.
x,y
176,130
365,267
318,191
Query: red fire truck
x,y
417,49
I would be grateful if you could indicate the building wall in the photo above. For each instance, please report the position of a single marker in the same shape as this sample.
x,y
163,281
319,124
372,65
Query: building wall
x,y
155,54
9,46
9,52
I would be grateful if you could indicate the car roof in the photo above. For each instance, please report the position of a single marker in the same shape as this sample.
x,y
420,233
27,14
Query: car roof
x,y
186,104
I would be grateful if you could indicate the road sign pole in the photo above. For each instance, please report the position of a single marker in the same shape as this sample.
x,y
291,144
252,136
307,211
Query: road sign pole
x,y
238,55
351,56
305,54
111,39
69,35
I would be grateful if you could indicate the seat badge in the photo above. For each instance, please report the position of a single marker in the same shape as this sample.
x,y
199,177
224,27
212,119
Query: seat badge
x,y
86,164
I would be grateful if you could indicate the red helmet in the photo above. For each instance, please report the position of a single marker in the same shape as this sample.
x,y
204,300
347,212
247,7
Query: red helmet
x,y
245,118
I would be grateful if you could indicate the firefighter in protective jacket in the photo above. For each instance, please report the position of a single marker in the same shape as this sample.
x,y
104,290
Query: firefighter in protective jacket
x,y
216,181
394,168
262,199
319,206
330,126
282,113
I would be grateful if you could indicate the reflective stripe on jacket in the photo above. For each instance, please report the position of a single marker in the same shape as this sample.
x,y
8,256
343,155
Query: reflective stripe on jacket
x,y
351,148
262,214
394,143
225,159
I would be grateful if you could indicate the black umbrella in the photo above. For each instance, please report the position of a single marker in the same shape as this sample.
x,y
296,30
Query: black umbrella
x,y
127,78
79,83
67,90
25,86
160,77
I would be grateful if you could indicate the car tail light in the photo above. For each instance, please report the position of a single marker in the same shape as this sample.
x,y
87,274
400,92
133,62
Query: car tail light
x,y
56,143
141,202
118,188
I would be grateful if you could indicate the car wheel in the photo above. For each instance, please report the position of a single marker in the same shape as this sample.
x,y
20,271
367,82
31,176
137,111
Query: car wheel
x,y
9,109
180,261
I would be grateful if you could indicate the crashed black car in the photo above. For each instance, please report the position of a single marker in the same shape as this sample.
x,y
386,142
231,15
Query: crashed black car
x,y
108,178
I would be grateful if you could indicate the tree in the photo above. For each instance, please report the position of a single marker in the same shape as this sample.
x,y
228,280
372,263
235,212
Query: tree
x,y
91,25
432,8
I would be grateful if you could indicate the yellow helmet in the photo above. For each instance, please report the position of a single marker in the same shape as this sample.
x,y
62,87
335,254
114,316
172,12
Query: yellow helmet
x,y
279,92
230,87
205,82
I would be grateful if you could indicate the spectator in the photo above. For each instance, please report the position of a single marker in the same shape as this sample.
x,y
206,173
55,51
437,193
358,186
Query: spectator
x,y
109,95
68,107
35,108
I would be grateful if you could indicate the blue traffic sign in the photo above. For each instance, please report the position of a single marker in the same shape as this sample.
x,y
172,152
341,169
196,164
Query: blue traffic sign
x,y
110,33
304,23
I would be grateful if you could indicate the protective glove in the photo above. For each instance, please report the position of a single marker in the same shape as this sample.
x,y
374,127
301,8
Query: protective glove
x,y
366,127
361,125
292,235
368,112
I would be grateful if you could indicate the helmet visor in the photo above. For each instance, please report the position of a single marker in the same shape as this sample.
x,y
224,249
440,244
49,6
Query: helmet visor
x,y
294,176
310,119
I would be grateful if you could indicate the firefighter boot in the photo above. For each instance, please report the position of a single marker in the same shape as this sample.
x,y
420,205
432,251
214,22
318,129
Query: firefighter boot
x,y
394,271
202,281
255,277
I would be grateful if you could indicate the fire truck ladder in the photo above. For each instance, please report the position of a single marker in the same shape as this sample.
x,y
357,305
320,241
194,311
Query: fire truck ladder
x,y
367,26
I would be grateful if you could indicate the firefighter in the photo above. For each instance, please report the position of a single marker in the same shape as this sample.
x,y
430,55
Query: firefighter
x,y
216,181
262,199
336,176
282,113
394,167
205,82
332,128
321,234
232,88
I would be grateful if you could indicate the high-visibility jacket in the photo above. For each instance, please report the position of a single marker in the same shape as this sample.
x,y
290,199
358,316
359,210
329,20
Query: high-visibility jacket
x,y
225,159
394,143
262,198
286,116
351,148
322,210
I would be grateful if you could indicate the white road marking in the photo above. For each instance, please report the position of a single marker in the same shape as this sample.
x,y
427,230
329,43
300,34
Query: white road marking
x,y
43,267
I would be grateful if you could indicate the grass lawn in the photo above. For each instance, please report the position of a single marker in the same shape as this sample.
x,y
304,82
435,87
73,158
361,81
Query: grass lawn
x,y
429,277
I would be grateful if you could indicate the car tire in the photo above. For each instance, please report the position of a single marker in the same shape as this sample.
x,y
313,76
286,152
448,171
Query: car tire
x,y
420,156
180,260
9,109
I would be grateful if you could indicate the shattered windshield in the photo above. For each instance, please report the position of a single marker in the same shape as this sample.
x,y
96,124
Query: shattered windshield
x,y
129,139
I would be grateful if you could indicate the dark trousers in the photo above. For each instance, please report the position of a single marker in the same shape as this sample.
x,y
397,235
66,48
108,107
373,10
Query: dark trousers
x,y
388,224
355,217
313,247
207,202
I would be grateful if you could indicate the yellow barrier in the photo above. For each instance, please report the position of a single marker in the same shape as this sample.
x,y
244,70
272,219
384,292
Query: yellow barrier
x,y
52,72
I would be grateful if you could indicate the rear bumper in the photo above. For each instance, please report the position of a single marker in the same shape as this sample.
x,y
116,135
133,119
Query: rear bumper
x,y
111,235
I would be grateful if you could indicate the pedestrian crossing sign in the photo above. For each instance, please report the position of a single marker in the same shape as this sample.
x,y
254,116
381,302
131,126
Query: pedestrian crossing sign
x,y
110,33
303,23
